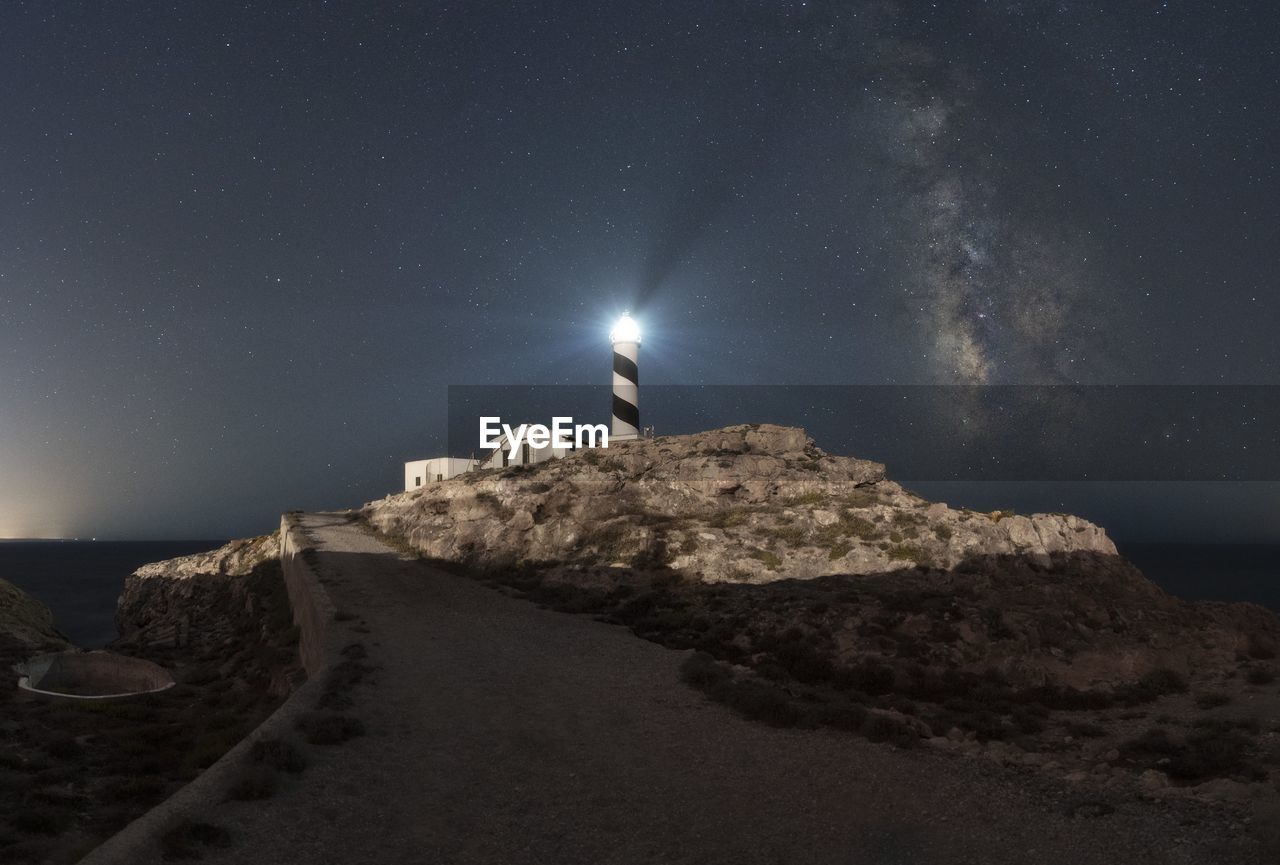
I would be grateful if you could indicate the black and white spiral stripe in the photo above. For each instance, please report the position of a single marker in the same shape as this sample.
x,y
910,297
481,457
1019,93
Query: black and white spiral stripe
x,y
626,386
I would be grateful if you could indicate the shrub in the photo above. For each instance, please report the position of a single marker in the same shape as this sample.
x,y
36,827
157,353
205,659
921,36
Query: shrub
x,y
1260,676
653,557
884,728
703,671
838,550
1086,729
727,518
1027,721
340,681
859,528
771,560
1260,648
804,662
906,553
860,498
1212,700
842,716
1153,742
869,677
1153,685
1209,754
792,536
758,702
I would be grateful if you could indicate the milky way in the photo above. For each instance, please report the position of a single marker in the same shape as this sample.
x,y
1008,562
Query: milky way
x,y
994,299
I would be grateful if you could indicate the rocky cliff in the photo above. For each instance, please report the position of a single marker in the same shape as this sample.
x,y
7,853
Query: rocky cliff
x,y
26,625
752,503
178,601
225,609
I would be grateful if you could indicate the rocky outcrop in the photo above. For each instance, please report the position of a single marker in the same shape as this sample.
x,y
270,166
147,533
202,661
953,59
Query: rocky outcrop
x,y
191,598
26,623
751,503
225,612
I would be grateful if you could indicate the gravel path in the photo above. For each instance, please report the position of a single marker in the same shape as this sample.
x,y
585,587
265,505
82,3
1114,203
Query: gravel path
x,y
502,733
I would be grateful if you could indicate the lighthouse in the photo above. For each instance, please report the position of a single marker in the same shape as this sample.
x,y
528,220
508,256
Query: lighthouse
x,y
626,379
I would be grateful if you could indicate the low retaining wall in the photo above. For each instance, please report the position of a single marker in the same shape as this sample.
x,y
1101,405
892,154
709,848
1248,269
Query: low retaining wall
x,y
312,610
317,646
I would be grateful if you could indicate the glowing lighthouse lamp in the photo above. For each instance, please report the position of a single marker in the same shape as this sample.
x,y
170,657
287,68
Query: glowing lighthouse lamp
x,y
625,337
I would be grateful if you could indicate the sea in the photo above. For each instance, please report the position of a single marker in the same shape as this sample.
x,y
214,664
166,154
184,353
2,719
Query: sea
x,y
80,580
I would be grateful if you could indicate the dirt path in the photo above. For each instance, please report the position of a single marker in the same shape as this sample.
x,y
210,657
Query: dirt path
x,y
501,733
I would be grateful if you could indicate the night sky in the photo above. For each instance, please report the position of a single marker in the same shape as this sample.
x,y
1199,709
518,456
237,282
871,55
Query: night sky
x,y
245,247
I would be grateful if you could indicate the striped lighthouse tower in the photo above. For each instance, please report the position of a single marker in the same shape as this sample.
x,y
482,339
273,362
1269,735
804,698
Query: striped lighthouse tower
x,y
626,379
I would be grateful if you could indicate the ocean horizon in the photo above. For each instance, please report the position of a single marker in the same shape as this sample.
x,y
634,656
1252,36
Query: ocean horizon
x,y
80,580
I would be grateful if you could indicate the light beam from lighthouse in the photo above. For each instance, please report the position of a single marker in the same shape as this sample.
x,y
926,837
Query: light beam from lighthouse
x,y
626,379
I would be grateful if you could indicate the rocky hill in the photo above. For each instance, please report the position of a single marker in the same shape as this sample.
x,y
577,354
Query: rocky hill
x,y
819,592
1042,598
25,622
752,503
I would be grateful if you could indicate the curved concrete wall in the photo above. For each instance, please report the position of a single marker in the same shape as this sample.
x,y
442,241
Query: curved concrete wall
x,y
93,675
318,646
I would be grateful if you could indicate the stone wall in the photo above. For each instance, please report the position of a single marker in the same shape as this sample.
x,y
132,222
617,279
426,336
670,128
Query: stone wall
x,y
312,610
317,645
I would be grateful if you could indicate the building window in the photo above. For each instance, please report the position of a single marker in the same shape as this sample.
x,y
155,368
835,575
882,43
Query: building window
x,y
524,454
417,482
439,478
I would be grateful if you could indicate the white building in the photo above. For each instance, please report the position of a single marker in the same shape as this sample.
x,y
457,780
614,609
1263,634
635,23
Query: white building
x,y
419,473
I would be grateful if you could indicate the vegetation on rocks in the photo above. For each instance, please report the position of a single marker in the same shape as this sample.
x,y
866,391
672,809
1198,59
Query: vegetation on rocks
x,y
751,503
927,656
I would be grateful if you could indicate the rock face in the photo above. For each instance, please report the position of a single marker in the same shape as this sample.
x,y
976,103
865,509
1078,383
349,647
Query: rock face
x,y
751,503
25,622
192,600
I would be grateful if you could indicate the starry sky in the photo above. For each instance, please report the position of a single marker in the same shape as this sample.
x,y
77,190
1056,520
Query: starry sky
x,y
246,247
